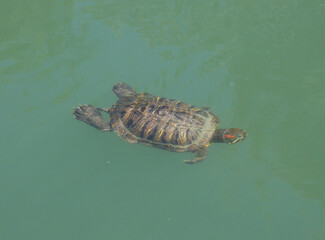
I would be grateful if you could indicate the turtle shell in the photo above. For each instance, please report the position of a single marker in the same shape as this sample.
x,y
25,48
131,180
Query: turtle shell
x,y
161,122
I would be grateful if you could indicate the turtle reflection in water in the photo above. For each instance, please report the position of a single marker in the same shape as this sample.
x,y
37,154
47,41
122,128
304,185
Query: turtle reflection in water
x,y
160,122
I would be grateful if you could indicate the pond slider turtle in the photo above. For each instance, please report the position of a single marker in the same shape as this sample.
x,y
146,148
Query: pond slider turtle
x,y
160,122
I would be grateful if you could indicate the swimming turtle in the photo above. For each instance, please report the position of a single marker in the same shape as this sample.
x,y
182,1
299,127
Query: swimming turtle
x,y
160,122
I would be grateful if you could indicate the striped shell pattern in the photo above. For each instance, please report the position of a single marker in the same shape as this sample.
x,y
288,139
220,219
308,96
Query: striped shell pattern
x,y
162,122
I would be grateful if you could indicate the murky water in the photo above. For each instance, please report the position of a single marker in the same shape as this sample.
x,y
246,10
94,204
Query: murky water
x,y
259,65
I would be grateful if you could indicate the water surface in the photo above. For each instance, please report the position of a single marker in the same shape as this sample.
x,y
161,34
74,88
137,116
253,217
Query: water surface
x,y
259,65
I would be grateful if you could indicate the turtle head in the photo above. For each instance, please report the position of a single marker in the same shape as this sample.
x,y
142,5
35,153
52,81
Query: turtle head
x,y
229,135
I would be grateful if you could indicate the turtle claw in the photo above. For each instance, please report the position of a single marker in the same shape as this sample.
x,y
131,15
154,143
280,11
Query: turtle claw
x,y
189,161
199,156
84,112
90,115
195,160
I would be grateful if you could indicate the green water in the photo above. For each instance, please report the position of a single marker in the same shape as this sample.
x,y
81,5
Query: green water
x,y
259,65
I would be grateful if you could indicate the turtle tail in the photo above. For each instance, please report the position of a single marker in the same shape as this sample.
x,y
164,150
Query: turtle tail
x,y
123,90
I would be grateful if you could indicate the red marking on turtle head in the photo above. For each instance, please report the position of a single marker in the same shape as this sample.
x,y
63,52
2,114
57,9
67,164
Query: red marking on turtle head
x,y
229,136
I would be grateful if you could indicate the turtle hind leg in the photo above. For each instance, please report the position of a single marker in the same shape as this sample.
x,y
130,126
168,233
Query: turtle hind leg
x,y
199,156
107,110
90,115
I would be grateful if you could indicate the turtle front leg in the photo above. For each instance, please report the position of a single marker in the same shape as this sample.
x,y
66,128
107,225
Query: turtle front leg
x,y
90,115
199,156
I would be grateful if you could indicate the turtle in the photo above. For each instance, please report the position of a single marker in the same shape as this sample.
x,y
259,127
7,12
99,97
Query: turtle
x,y
159,122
